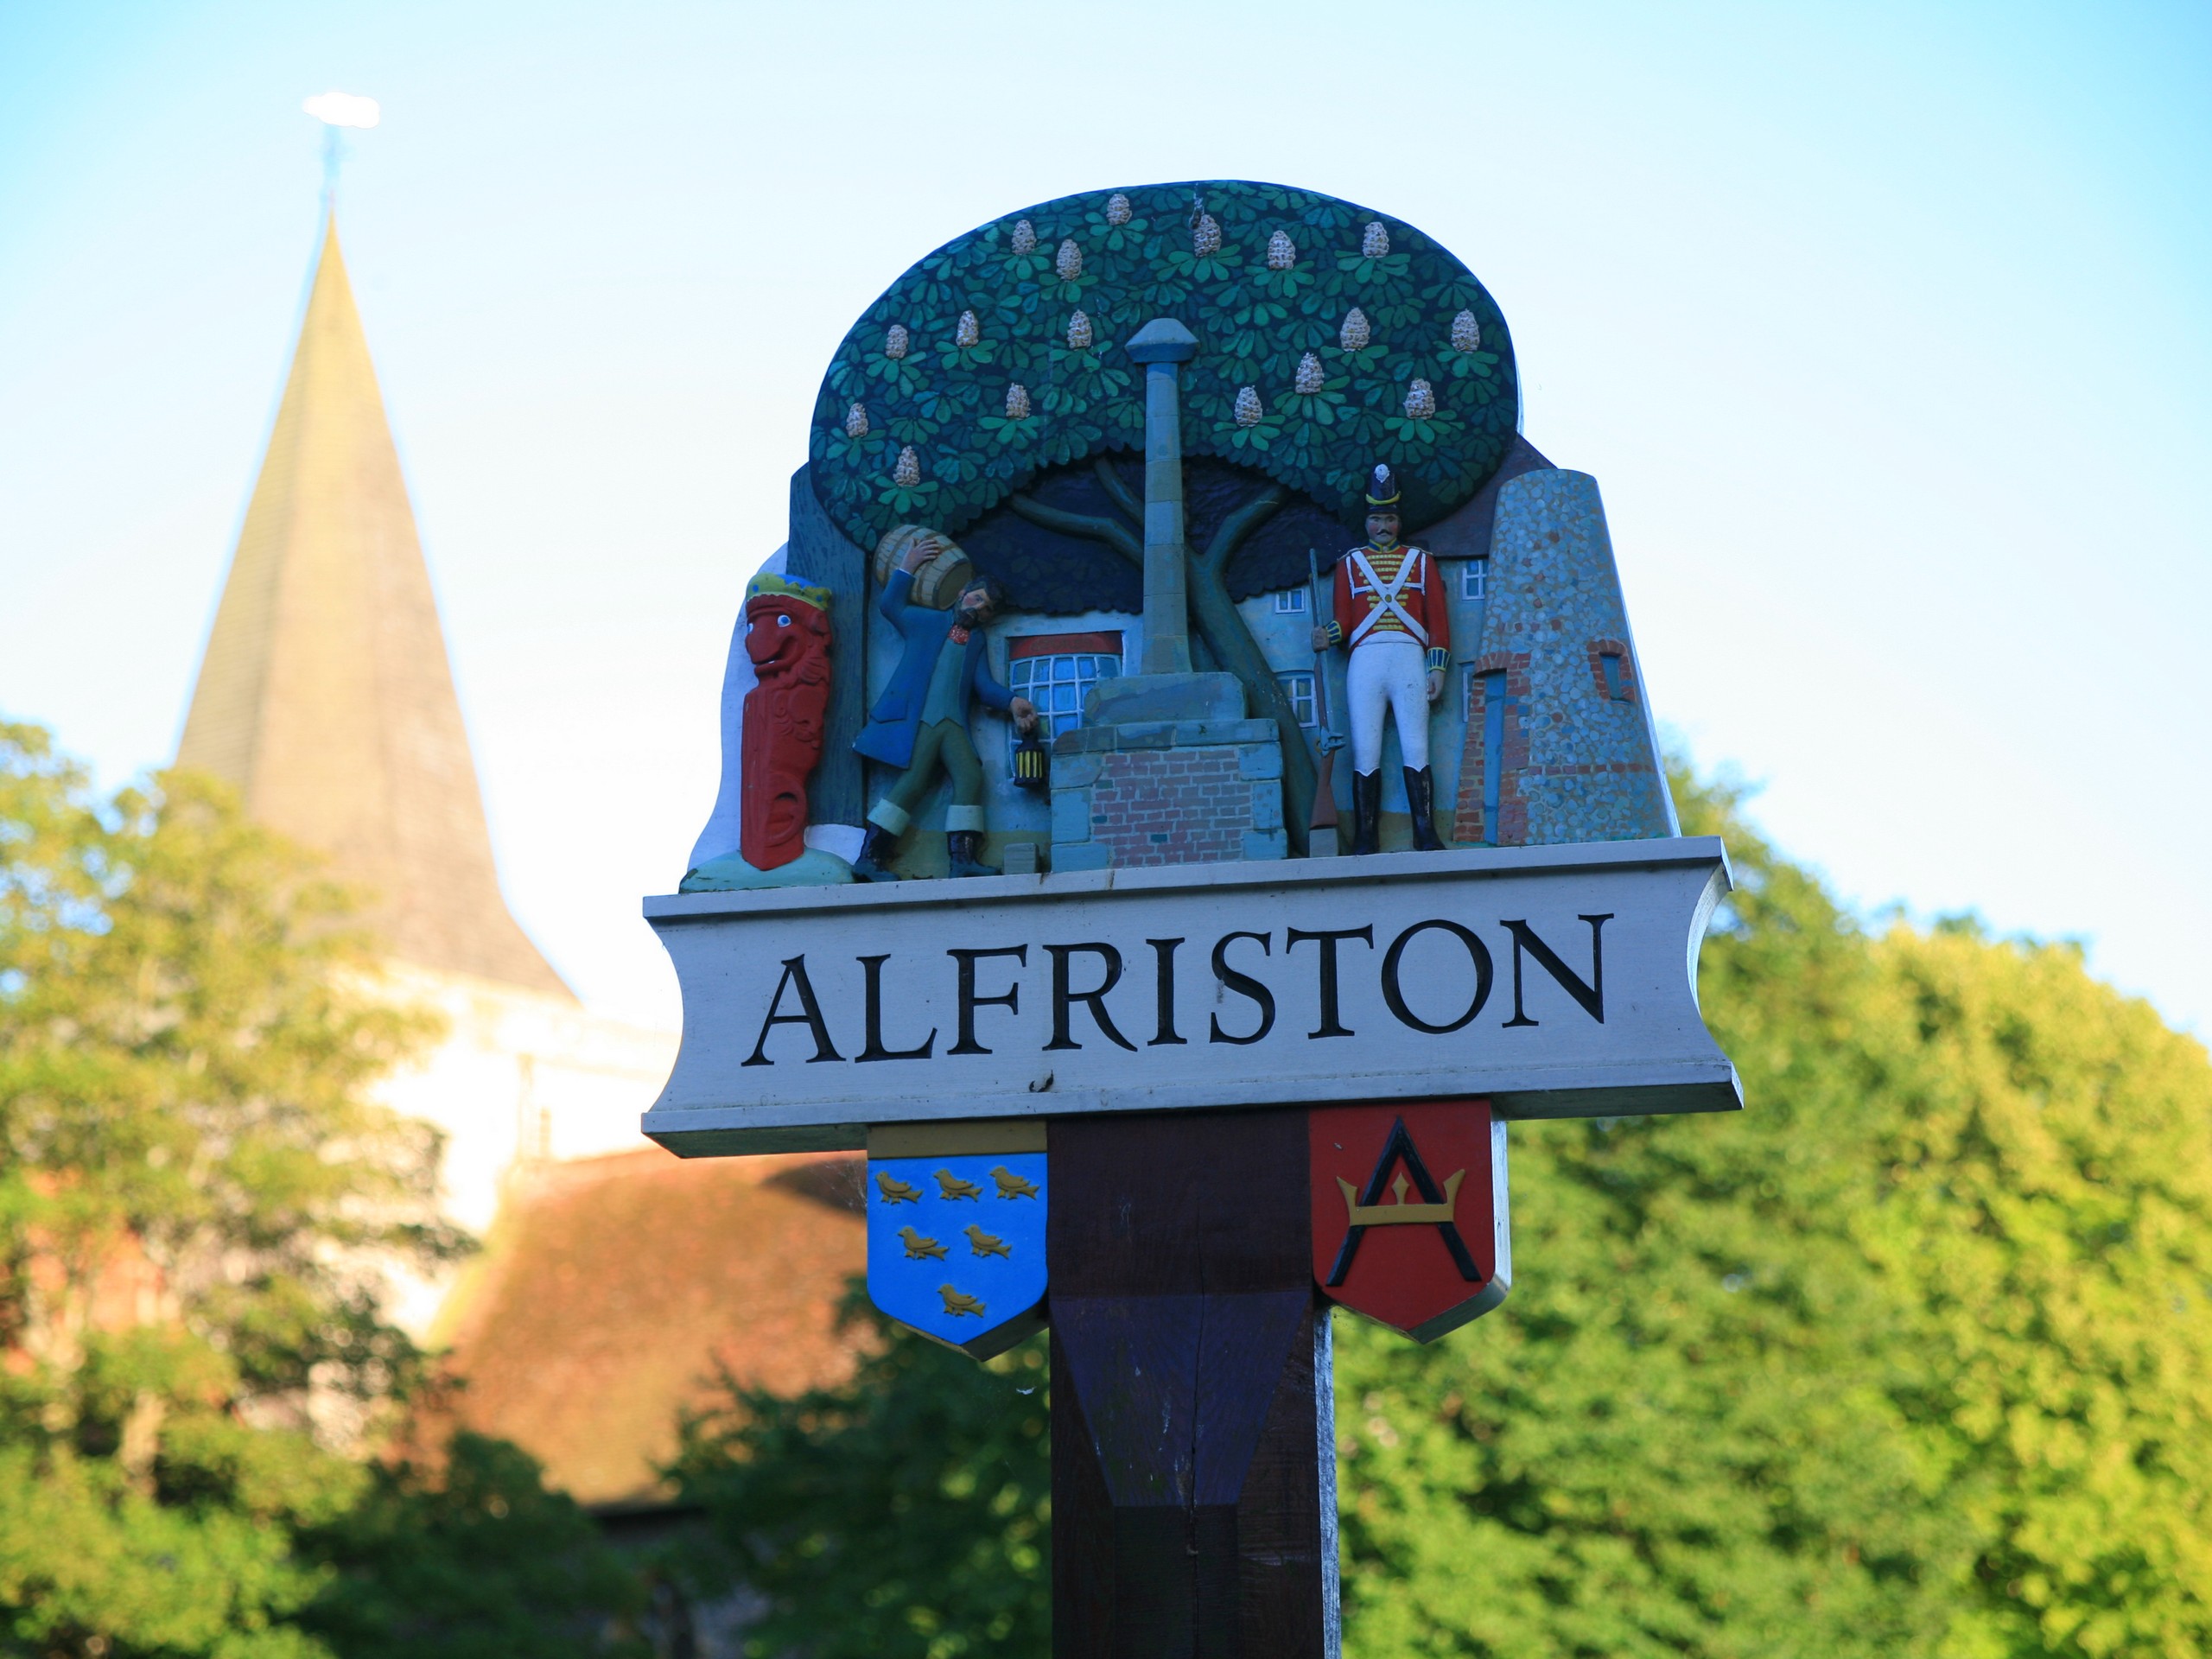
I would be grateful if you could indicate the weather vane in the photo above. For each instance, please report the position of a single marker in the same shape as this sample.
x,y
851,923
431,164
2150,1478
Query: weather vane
x,y
337,110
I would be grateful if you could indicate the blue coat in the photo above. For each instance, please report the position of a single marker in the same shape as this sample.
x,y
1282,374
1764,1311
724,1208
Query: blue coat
x,y
889,735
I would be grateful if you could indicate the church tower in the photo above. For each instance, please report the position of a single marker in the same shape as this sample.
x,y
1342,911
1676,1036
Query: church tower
x,y
326,698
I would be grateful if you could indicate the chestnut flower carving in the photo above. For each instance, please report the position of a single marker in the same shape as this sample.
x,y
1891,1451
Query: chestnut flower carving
x,y
1017,402
1117,209
908,472
1309,375
1248,407
1078,331
1375,242
1354,335
1282,253
1069,261
894,341
1420,401
1024,239
967,331
857,421
1466,333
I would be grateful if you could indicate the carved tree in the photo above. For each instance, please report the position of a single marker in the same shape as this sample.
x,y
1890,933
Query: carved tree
x,y
1213,613
1331,338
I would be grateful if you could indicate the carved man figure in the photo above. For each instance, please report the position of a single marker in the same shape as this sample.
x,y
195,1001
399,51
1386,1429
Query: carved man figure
x,y
787,638
1391,615
920,722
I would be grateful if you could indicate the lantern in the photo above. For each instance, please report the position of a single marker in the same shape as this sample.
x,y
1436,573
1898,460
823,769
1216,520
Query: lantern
x,y
1033,762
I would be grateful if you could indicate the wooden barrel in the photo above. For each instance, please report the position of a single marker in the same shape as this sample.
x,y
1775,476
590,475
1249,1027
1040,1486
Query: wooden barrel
x,y
937,583
940,582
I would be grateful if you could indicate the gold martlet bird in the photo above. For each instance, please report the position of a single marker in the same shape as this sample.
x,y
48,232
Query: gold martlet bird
x,y
917,1246
897,1192
1012,1186
983,1244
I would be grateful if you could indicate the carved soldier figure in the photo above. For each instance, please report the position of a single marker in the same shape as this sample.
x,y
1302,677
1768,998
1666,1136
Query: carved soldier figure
x,y
921,722
1391,615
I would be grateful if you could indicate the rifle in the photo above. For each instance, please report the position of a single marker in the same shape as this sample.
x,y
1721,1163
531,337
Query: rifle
x,y
1321,827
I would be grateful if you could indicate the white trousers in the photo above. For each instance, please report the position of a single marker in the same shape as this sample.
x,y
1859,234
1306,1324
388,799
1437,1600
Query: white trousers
x,y
1390,673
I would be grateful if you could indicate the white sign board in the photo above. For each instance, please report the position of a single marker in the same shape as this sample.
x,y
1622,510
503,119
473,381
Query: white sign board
x,y
1560,981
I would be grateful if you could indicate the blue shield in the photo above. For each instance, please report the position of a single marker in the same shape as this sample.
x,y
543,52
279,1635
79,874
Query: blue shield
x,y
956,1246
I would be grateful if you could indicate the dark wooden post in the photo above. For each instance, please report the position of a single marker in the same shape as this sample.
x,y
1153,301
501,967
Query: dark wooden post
x,y
1193,1441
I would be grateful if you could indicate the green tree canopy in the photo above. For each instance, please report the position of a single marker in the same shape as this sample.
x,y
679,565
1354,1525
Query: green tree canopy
x,y
1043,303
198,1197
906,1513
1913,1357
468,1557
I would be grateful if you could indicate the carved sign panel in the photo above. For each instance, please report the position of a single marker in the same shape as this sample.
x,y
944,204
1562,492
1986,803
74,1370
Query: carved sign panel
x,y
1554,980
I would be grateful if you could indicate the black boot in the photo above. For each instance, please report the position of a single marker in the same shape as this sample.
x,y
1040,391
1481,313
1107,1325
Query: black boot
x,y
961,846
1366,812
1418,789
874,862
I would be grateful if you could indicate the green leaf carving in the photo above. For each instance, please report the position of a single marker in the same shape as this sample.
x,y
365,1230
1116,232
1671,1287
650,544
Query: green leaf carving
x,y
1253,323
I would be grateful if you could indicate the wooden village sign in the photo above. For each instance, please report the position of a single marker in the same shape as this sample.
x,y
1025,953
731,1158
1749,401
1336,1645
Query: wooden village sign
x,y
1037,875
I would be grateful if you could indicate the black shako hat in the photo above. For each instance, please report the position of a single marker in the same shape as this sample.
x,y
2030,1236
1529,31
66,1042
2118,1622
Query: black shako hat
x,y
1382,491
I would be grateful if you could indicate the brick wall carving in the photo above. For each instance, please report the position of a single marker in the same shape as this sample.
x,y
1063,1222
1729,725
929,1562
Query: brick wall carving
x,y
1167,792
1171,806
1468,827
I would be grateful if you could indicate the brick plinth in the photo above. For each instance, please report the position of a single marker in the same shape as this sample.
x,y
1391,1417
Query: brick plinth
x,y
1171,806
1204,792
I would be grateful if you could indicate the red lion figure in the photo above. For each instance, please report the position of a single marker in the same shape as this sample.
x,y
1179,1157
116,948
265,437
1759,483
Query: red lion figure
x,y
787,636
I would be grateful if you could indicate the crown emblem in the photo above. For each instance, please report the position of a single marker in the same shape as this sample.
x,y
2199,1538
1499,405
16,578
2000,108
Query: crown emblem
x,y
1365,1209
1400,1214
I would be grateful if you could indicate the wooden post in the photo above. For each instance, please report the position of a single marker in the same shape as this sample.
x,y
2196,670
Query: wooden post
x,y
1193,1438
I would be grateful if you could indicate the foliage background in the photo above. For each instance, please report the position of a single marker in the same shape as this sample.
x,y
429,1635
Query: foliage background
x,y
1253,325
198,1202
1913,1357
908,1512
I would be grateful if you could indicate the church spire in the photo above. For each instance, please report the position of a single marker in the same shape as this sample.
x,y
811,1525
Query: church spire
x,y
325,698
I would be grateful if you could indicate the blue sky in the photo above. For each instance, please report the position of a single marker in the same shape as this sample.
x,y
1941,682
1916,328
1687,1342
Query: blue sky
x,y
1885,329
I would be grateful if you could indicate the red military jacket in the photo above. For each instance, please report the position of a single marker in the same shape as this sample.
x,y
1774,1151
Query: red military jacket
x,y
1394,594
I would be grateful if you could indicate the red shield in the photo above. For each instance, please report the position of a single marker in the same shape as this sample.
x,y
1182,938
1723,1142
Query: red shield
x,y
1410,1221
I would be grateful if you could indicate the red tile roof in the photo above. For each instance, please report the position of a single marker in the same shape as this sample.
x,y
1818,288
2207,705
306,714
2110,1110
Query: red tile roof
x,y
614,1287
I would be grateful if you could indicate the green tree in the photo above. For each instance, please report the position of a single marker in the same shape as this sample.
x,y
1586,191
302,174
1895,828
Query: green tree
x,y
1912,1357
467,1557
198,1201
1679,1434
194,1191
2042,1203
906,1513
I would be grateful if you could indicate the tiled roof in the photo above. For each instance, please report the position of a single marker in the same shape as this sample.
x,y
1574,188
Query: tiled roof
x,y
613,1288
